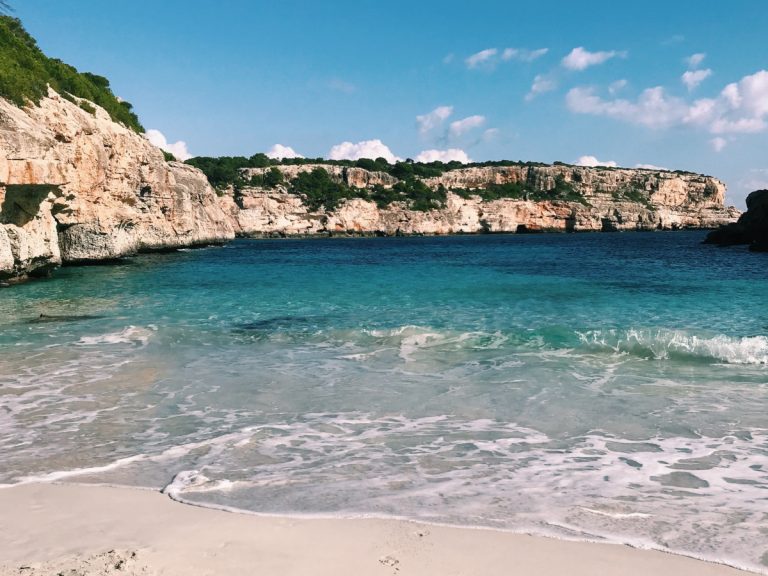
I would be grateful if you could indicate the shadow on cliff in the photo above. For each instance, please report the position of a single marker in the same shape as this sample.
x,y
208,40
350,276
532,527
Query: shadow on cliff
x,y
22,202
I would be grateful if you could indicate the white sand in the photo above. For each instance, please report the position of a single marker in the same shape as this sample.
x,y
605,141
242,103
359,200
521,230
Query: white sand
x,y
91,530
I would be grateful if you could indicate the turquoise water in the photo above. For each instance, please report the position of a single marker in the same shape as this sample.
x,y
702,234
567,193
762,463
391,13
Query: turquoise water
x,y
598,386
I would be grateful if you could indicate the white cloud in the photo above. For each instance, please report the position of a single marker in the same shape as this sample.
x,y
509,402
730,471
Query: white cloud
x,y
693,78
741,107
490,134
366,149
738,126
718,143
522,54
443,156
339,85
481,57
700,111
653,107
751,94
580,59
593,161
279,151
460,127
617,86
434,119
448,58
694,60
540,85
178,149
650,167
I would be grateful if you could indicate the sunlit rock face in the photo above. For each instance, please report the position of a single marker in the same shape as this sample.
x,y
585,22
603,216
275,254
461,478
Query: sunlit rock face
x,y
77,186
610,199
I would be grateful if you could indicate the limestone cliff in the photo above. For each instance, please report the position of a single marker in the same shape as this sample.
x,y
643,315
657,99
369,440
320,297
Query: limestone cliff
x,y
601,200
75,187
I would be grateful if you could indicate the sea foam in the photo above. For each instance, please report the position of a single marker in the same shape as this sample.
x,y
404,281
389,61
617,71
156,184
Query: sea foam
x,y
663,344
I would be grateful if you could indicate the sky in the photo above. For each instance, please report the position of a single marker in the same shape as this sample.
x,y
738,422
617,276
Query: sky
x,y
677,84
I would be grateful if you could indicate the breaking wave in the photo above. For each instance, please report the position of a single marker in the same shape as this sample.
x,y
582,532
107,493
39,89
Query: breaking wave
x,y
676,344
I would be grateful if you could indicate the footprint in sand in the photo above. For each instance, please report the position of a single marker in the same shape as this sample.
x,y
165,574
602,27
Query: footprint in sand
x,y
391,562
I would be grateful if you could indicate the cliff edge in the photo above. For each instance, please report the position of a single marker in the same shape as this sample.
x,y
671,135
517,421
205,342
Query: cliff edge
x,y
75,186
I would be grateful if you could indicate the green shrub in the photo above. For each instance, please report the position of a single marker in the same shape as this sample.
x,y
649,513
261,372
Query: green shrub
x,y
318,189
26,73
87,106
273,177
419,195
633,195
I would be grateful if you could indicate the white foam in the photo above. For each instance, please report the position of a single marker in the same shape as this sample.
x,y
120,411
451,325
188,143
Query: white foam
x,y
129,335
661,344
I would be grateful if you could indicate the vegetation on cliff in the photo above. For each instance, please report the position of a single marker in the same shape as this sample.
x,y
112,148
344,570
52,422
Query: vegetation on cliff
x,y
319,189
224,171
26,73
562,190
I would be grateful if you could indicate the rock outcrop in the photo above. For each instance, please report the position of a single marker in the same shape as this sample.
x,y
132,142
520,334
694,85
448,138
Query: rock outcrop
x,y
602,200
77,187
751,228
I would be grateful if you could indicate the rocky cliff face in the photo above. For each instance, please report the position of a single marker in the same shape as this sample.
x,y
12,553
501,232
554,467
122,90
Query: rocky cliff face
x,y
610,199
77,187
751,228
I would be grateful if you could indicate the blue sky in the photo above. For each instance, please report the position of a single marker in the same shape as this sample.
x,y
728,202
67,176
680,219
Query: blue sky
x,y
677,84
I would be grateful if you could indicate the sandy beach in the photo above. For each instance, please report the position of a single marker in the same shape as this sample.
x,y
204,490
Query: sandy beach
x,y
95,530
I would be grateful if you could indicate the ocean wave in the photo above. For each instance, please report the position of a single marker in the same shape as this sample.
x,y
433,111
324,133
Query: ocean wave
x,y
662,344
129,335
411,339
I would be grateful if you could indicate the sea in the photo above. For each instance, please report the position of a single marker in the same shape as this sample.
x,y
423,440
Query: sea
x,y
609,387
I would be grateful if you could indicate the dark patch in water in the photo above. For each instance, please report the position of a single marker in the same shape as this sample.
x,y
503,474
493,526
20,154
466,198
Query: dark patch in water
x,y
681,480
277,323
702,463
631,447
272,322
50,318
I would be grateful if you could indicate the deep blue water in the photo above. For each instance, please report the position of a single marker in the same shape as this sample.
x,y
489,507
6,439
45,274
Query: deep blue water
x,y
594,385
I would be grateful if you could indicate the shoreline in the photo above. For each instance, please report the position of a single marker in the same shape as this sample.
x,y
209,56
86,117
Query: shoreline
x,y
50,528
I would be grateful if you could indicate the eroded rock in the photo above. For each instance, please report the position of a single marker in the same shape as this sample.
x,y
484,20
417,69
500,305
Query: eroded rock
x,y
79,187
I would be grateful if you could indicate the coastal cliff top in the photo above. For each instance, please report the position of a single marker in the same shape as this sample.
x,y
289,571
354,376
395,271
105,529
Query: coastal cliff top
x,y
26,74
424,186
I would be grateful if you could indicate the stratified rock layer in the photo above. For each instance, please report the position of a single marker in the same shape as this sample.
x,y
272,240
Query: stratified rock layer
x,y
612,199
78,187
